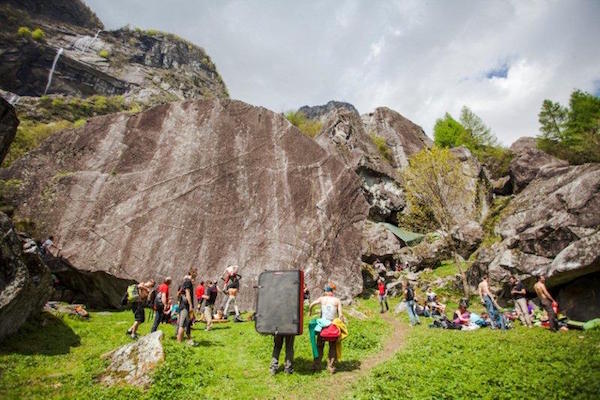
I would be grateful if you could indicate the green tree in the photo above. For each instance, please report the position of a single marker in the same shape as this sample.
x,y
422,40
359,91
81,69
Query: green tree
x,y
571,133
448,132
552,120
478,132
435,188
475,135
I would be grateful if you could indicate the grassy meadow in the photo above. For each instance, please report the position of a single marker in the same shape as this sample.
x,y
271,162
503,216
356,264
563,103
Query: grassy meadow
x,y
62,360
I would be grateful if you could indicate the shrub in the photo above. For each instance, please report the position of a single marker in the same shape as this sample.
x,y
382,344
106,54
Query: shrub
x,y
38,35
29,136
24,32
100,104
382,146
103,53
79,123
309,127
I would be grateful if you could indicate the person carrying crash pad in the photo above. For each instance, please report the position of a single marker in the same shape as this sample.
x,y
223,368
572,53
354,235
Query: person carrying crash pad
x,y
330,328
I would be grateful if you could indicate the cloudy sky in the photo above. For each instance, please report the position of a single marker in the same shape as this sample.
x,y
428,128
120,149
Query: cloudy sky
x,y
421,58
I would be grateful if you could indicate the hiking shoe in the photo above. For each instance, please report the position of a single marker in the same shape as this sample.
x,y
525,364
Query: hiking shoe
x,y
134,336
272,371
316,365
128,332
289,371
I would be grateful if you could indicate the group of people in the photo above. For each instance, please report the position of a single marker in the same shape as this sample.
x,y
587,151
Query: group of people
x,y
462,317
187,302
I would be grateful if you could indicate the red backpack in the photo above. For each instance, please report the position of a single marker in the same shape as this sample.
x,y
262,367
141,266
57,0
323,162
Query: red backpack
x,y
330,333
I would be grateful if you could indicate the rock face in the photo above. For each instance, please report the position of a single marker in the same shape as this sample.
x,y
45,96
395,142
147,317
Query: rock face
x,y
322,112
133,363
8,127
403,137
73,12
343,134
195,184
379,242
25,282
551,227
529,162
149,66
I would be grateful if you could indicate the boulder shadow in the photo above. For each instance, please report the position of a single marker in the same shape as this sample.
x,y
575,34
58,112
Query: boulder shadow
x,y
48,336
303,366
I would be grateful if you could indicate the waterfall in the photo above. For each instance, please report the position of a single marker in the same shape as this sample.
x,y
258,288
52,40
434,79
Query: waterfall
x,y
91,42
56,57
14,99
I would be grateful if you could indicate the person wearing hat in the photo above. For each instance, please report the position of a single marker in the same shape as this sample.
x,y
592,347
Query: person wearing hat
x,y
331,308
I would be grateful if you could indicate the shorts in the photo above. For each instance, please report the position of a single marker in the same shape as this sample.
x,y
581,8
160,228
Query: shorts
x,y
184,318
208,313
139,313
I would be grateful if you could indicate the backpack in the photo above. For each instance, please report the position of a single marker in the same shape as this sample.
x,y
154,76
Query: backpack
x,y
133,293
410,293
330,333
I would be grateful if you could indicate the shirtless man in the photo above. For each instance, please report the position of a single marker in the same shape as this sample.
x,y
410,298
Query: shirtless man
x,y
547,300
490,304
331,308
139,314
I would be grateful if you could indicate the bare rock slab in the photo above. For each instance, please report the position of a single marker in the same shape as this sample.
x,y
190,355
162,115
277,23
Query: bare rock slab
x,y
133,363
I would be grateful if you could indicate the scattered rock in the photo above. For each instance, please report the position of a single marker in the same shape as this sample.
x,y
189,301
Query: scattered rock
x,y
25,282
133,363
351,311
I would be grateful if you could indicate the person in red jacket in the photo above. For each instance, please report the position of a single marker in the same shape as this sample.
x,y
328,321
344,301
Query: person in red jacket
x,y
199,293
383,292
161,302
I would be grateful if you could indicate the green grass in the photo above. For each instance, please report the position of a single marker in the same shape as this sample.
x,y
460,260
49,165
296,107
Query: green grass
x,y
484,364
382,146
62,359
309,127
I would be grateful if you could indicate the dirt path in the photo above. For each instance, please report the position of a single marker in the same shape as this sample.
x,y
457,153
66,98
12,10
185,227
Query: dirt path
x,y
337,385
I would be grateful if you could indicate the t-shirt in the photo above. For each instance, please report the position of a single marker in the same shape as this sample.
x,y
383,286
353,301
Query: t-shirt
x,y
410,294
381,287
162,288
518,286
199,292
183,303
212,295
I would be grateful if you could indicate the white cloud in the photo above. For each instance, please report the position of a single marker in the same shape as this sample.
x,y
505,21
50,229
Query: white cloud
x,y
421,58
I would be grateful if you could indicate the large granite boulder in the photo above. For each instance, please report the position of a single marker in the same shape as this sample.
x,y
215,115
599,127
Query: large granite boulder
x,y
403,137
551,227
379,243
529,161
25,282
196,184
8,127
134,363
343,134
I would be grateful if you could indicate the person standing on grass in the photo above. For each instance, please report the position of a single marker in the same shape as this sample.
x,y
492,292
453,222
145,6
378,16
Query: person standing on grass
x,y
161,303
490,304
186,305
137,307
331,308
383,293
278,340
231,290
210,296
518,292
547,301
199,293
409,297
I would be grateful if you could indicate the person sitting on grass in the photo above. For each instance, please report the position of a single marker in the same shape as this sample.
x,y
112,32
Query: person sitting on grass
x,y
462,316
435,306
137,307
